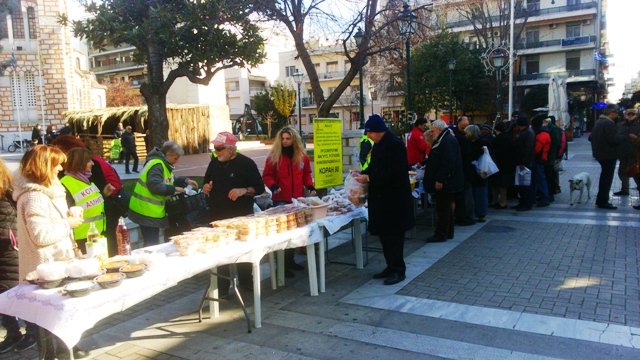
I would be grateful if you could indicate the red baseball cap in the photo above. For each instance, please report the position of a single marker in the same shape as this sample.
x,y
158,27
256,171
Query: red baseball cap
x,y
225,138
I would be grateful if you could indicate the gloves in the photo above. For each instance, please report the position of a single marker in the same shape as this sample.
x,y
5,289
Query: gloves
x,y
274,188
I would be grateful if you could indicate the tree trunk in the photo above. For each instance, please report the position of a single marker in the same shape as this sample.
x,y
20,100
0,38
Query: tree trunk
x,y
155,94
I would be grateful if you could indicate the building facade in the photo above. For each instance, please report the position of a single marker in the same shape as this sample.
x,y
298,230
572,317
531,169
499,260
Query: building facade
x,y
45,69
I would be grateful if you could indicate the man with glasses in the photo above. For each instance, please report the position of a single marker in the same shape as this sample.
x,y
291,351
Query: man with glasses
x,y
629,128
230,183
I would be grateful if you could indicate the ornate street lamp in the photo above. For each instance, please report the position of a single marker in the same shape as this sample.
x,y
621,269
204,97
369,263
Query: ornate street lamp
x,y
358,36
298,76
452,66
496,59
408,24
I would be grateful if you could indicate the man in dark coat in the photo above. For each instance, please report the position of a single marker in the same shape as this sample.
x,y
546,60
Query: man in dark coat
x,y
464,199
627,153
444,176
390,204
605,143
524,149
129,146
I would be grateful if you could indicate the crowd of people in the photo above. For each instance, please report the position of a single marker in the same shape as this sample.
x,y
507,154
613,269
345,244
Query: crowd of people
x,y
35,216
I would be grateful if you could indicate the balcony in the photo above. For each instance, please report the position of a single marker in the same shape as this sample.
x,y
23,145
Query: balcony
x,y
117,66
581,40
308,101
332,75
531,12
561,74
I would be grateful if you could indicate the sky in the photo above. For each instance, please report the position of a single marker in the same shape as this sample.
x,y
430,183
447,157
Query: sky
x,y
622,18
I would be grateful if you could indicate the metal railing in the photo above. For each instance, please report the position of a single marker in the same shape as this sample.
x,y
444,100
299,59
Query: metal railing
x,y
582,40
563,74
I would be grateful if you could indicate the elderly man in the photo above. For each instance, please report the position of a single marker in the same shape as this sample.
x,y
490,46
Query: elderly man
x,y
156,183
605,143
230,182
444,177
390,204
627,154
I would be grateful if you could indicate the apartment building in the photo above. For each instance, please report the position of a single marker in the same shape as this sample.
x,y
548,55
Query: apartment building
x,y
45,70
561,38
631,87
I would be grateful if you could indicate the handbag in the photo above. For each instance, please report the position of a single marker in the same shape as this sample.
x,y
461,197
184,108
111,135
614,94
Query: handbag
x,y
485,166
118,203
632,170
182,203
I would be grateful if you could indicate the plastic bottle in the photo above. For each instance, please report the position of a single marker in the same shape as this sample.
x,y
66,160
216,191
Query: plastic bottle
x,y
122,238
93,233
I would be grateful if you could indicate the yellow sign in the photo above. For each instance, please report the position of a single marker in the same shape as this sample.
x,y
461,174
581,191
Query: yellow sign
x,y
327,152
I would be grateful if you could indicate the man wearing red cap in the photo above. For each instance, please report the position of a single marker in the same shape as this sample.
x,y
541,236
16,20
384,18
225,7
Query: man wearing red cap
x,y
230,182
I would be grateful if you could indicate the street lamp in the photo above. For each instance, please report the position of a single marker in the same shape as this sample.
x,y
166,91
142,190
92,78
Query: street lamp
x,y
371,90
358,36
495,59
452,66
298,76
408,23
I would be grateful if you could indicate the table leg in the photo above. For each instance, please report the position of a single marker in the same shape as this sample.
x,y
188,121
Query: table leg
x,y
272,269
280,255
214,306
321,265
357,240
311,267
257,308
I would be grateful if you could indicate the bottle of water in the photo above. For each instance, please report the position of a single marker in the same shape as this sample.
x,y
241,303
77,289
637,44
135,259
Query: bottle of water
x,y
122,238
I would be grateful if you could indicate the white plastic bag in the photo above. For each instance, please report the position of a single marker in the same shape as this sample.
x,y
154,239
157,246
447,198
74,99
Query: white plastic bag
x,y
523,177
485,165
356,192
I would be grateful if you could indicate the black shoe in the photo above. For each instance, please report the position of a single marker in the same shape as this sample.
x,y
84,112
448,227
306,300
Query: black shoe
x,y
26,343
637,207
523,208
127,172
542,204
294,266
382,274
608,206
289,274
500,207
621,193
435,238
9,342
394,279
465,223
481,219
136,171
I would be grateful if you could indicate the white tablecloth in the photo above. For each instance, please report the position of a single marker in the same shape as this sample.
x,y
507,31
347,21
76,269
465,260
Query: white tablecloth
x,y
69,317
334,223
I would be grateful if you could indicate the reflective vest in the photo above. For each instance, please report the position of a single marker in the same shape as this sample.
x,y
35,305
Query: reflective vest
x,y
363,141
89,198
142,200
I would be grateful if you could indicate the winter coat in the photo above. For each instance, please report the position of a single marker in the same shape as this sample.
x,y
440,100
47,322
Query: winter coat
x,y
8,255
628,146
417,147
128,142
289,177
524,147
504,158
542,146
444,165
43,233
390,203
605,139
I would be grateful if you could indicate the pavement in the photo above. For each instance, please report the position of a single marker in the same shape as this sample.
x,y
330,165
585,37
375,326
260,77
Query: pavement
x,y
559,282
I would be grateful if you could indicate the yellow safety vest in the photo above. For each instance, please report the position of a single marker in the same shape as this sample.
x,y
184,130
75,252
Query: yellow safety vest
x,y
365,139
142,200
89,198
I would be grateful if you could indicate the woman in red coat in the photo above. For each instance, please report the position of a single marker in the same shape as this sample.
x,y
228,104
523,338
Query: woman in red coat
x,y
287,172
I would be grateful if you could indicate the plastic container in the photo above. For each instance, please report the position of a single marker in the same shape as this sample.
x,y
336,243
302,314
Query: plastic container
x,y
319,211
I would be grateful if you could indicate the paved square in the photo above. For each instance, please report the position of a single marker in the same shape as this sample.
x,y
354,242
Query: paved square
x,y
587,272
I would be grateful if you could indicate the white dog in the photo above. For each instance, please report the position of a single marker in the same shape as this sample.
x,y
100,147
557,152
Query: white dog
x,y
579,182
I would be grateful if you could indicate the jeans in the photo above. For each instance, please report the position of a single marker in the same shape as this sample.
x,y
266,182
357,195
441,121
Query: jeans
x,y
539,182
127,156
480,200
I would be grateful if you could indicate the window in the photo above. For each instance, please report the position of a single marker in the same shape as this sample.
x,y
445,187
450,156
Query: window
x,y
573,2
332,66
78,64
533,5
289,71
573,61
18,23
31,20
30,84
533,36
311,117
4,31
573,30
232,85
16,91
23,90
532,64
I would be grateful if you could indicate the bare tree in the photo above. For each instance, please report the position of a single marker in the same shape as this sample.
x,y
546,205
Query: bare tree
x,y
295,15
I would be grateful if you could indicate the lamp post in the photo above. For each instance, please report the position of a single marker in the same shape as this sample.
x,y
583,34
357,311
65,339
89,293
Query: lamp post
x,y
408,23
298,77
371,90
496,59
358,36
452,66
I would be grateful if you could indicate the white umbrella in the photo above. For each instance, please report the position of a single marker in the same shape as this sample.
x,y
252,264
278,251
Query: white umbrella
x,y
564,103
553,105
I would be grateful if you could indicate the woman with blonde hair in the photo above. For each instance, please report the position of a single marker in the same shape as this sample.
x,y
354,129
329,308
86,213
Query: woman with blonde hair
x,y
287,172
44,222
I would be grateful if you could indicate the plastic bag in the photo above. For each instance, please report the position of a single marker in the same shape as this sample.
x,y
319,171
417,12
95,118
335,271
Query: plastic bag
x,y
356,192
485,165
523,177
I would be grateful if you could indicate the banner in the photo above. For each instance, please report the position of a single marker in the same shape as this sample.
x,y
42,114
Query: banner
x,y
327,152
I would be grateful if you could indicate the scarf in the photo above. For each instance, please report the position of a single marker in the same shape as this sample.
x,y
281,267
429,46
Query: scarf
x,y
287,151
80,175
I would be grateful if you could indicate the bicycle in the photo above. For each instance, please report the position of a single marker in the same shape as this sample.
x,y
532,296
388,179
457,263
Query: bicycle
x,y
25,144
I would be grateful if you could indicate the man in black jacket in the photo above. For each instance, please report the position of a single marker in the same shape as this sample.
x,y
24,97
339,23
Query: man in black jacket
x,y
525,140
390,204
129,146
444,177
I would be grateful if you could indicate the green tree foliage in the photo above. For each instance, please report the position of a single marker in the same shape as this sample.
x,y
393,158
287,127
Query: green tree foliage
x,y
192,39
284,99
430,77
